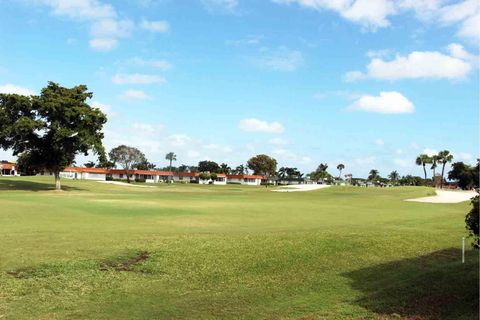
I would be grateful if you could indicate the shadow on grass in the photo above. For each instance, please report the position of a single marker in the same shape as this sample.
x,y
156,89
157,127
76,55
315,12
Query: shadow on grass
x,y
434,286
9,184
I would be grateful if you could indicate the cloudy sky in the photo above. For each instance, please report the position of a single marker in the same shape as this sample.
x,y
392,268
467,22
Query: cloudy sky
x,y
370,83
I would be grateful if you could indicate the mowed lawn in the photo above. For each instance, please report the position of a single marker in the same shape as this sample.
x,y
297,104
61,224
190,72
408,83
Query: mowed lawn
x,y
97,251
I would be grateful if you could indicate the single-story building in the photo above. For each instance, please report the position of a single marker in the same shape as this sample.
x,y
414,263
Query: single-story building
x,y
84,173
246,179
150,176
8,169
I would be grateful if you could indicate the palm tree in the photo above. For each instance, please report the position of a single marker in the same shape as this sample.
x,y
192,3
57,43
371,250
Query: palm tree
x,y
340,167
373,175
282,172
171,157
240,169
422,160
444,157
434,165
393,176
224,168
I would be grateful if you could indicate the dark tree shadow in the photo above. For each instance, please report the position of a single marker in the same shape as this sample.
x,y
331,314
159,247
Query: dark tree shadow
x,y
434,286
9,184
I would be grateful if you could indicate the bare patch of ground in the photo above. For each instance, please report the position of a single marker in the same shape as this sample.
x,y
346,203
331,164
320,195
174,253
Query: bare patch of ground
x,y
125,263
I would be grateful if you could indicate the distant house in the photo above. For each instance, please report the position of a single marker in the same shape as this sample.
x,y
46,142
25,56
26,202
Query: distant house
x,y
84,173
8,169
149,176
157,176
247,179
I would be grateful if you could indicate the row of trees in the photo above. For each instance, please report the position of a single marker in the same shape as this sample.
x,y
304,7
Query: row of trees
x,y
442,158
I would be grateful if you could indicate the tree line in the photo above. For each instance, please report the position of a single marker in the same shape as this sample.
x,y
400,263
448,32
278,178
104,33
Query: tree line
x,y
46,133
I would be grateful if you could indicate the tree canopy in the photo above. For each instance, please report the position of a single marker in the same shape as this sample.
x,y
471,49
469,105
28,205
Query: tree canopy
x,y
263,165
127,157
52,128
208,166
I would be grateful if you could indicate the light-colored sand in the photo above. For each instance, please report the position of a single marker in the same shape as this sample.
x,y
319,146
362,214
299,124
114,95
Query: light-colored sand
x,y
124,184
447,197
301,187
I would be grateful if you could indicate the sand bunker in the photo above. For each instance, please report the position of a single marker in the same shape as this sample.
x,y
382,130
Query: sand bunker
x,y
447,197
301,187
124,184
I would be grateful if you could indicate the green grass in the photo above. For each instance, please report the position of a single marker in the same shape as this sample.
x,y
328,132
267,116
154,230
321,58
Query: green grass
x,y
97,251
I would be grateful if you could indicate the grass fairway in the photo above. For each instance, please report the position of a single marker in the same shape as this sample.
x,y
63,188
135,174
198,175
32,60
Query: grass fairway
x,y
99,251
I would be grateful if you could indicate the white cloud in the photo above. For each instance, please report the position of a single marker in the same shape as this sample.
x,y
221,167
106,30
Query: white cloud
x,y
135,95
430,152
111,28
218,148
155,26
178,140
280,59
13,89
371,14
228,6
291,157
365,161
105,108
385,102
374,14
147,128
353,76
81,9
399,151
462,156
404,163
137,78
255,125
103,44
105,33
379,142
247,41
419,64
382,53
278,142
158,64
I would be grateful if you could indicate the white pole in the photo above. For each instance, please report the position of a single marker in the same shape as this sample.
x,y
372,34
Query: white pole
x,y
463,249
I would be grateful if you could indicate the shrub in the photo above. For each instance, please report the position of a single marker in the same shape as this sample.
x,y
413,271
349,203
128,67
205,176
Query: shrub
x,y
471,221
139,179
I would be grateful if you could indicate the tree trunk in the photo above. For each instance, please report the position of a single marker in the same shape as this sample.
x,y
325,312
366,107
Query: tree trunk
x,y
171,177
128,176
425,171
443,172
58,185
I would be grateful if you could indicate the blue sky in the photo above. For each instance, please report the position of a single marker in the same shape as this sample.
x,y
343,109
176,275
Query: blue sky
x,y
370,84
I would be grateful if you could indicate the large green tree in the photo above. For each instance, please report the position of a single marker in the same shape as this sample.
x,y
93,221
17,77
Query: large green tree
x,y
51,128
127,158
263,165
208,166
444,157
465,175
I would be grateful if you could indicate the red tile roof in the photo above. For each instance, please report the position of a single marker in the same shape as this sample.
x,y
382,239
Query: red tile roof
x,y
7,166
87,170
244,176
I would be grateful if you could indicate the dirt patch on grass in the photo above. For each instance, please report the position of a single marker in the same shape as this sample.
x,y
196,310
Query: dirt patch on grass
x,y
125,262
22,273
